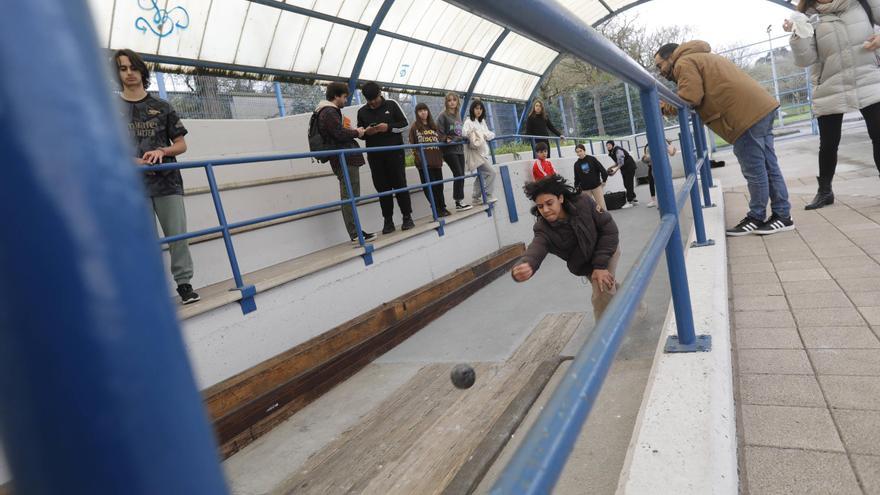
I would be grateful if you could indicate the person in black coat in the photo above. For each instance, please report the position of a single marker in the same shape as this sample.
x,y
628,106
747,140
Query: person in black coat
x,y
538,124
590,176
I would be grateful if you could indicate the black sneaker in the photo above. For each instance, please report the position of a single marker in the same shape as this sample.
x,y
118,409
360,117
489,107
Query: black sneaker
x,y
389,226
187,294
443,212
368,236
776,224
407,223
462,207
746,226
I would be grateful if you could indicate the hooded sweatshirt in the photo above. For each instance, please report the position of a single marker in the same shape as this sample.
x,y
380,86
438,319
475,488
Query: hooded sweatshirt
x,y
728,100
331,126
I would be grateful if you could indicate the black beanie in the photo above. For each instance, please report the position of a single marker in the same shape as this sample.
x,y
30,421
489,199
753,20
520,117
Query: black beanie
x,y
371,90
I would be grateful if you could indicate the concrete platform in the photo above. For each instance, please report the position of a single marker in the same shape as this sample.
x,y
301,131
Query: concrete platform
x,y
806,322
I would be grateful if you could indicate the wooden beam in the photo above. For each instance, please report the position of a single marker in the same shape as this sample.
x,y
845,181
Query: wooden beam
x,y
249,404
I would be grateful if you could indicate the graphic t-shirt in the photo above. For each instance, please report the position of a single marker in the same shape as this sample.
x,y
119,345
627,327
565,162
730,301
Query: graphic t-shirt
x,y
432,153
153,124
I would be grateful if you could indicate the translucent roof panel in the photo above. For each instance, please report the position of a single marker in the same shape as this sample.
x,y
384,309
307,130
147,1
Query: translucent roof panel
x,y
428,44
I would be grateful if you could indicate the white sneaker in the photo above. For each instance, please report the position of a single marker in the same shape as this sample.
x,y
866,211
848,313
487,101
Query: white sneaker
x,y
492,199
628,205
652,204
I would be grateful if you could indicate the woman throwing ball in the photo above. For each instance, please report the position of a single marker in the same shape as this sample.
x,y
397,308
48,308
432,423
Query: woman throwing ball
x,y
569,226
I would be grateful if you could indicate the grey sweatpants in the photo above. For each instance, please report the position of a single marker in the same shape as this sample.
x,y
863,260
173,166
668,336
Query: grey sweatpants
x,y
172,217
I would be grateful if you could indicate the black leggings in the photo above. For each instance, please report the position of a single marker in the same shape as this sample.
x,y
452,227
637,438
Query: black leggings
x,y
829,139
456,164
435,174
651,181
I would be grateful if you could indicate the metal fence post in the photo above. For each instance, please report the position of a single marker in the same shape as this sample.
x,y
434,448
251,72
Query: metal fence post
x,y
508,193
352,199
775,79
629,108
706,171
247,291
564,117
98,392
429,190
282,112
686,340
160,82
690,160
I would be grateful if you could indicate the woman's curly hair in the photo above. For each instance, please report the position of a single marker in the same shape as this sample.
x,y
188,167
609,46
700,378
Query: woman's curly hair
x,y
552,184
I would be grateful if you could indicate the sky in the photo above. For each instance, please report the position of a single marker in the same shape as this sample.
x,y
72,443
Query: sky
x,y
720,22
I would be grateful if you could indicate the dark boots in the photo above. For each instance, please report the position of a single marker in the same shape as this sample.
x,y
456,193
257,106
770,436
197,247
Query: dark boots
x,y
824,197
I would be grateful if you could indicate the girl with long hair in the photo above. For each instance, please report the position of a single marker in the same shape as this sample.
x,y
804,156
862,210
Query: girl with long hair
x,y
450,124
476,155
538,124
423,131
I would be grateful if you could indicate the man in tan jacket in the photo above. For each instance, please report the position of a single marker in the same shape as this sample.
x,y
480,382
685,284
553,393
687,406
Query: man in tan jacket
x,y
739,110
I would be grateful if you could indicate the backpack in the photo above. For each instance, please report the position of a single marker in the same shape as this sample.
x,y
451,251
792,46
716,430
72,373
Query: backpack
x,y
316,140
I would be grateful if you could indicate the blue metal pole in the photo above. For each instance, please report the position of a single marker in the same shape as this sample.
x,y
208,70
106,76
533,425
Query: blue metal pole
x,y
515,118
365,48
690,167
564,117
428,189
98,394
681,296
160,81
247,300
508,194
352,199
702,152
491,116
280,99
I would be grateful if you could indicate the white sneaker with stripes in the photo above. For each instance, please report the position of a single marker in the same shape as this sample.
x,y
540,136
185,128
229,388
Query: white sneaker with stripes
x,y
746,226
776,224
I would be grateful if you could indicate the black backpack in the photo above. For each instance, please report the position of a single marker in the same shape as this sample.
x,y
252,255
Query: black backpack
x,y
316,140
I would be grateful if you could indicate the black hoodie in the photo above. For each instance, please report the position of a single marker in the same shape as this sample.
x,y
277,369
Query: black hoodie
x,y
388,112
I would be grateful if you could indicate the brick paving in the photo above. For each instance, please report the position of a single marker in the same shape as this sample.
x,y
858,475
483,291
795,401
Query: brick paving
x,y
806,325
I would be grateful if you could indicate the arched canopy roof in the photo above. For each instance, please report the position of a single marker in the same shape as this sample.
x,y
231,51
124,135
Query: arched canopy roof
x,y
407,44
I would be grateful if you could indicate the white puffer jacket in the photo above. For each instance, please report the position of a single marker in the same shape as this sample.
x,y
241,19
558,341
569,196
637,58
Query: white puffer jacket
x,y
846,77
476,152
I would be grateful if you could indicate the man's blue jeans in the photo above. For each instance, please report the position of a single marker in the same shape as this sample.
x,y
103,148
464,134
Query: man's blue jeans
x,y
757,159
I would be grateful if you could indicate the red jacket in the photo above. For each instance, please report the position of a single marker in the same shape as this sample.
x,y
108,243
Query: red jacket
x,y
542,168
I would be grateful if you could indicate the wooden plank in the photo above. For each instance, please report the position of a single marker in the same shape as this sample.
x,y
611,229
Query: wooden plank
x,y
484,455
430,464
260,398
415,441
359,453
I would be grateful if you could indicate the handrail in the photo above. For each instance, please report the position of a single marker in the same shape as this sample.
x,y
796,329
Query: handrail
x,y
558,139
224,227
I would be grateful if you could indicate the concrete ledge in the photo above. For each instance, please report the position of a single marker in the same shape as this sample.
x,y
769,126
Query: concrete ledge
x,y
684,441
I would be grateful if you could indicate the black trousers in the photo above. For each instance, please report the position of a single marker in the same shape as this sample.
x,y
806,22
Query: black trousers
x,y
456,164
651,181
629,176
829,139
387,169
437,189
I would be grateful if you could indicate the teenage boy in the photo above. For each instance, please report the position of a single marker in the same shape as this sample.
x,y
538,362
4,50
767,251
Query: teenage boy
x,y
383,122
739,110
158,137
331,126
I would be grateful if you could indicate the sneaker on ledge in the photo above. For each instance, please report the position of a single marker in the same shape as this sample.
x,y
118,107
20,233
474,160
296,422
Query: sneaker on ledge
x,y
627,205
476,201
652,204
776,224
187,294
491,199
443,212
746,226
407,223
368,236
462,207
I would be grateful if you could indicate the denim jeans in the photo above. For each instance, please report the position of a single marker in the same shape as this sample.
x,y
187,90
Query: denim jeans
x,y
757,159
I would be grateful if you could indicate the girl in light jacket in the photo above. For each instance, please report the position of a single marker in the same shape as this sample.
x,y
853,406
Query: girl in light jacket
x,y
476,155
846,75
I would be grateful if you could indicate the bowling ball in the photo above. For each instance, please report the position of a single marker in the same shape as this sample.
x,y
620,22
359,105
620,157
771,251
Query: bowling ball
x,y
463,376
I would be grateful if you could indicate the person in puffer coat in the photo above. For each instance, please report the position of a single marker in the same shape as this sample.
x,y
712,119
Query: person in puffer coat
x,y
846,75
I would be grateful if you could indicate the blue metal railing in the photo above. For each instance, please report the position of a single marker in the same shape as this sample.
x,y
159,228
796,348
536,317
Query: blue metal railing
x,y
532,139
224,227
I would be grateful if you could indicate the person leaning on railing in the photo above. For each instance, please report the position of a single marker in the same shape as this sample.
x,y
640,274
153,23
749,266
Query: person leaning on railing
x,y
338,134
158,136
538,124
570,226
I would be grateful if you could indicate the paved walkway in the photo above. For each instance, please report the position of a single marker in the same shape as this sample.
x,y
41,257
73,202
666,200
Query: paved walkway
x,y
806,322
